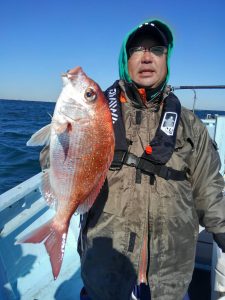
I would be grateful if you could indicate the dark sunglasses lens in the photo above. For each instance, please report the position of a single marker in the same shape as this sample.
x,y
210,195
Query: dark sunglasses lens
x,y
158,50
135,49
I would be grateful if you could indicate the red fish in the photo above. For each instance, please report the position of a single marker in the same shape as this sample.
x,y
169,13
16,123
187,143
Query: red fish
x,y
81,140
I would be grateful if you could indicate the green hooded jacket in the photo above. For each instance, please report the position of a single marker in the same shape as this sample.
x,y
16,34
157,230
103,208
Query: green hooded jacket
x,y
123,57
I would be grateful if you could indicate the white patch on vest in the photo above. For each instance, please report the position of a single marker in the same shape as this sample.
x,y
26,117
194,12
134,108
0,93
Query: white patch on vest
x,y
113,104
168,123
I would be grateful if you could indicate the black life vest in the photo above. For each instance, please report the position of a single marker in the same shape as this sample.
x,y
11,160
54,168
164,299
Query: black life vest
x,y
162,145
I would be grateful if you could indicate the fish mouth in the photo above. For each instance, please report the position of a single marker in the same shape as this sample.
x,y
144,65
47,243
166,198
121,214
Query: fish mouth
x,y
74,73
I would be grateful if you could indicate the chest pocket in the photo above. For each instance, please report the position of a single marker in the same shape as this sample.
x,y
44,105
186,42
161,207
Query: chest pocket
x,y
182,157
177,196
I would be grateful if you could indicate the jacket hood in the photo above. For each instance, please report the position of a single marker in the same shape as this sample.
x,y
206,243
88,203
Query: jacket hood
x,y
162,29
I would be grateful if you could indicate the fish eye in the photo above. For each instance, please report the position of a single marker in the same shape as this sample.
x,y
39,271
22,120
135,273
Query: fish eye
x,y
90,94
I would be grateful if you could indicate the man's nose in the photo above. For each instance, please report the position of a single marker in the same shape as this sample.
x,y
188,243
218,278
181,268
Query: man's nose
x,y
147,57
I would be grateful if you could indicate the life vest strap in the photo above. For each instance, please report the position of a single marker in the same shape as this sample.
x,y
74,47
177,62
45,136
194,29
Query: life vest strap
x,y
146,166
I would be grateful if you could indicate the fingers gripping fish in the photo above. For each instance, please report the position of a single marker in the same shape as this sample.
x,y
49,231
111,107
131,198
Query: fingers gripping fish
x,y
81,142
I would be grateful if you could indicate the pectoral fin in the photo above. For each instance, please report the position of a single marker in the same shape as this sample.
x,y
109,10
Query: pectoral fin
x,y
41,137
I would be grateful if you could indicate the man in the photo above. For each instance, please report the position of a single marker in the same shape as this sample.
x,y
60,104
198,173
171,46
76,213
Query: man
x,y
164,182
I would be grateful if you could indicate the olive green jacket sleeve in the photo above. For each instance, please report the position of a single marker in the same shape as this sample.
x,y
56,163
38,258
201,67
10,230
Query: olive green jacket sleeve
x,y
207,182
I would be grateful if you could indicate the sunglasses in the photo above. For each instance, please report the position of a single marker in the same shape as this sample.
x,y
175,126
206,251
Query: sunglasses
x,y
156,50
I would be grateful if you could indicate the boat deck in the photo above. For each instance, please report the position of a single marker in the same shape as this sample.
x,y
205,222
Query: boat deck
x,y
25,270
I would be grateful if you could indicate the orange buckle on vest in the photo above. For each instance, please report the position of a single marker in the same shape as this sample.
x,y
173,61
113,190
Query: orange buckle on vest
x,y
148,149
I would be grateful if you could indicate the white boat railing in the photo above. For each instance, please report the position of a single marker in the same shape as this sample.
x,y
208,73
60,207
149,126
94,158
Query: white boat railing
x,y
13,195
216,129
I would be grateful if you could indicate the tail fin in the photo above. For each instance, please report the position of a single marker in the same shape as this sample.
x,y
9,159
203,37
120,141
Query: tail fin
x,y
55,241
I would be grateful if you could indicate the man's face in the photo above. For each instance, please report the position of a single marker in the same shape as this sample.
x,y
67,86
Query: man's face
x,y
147,69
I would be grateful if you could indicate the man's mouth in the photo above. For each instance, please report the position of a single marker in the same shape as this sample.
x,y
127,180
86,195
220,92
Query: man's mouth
x,y
146,72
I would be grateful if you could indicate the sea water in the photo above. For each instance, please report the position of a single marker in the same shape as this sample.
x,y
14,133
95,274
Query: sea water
x,y
18,121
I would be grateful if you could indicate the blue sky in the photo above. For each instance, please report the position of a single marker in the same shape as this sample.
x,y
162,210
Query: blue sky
x,y
40,39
